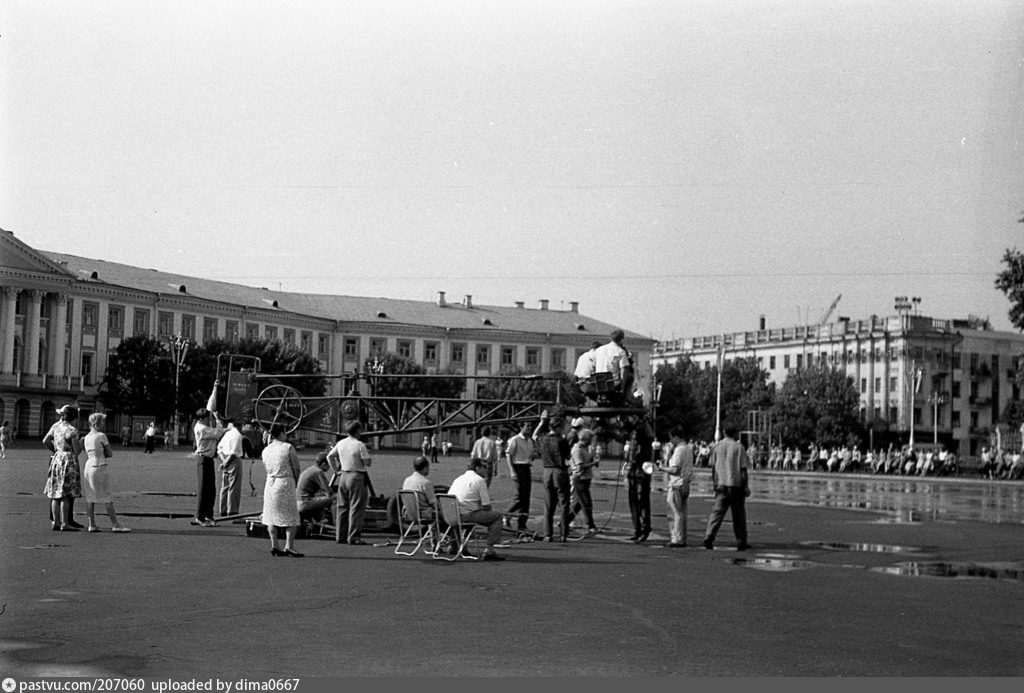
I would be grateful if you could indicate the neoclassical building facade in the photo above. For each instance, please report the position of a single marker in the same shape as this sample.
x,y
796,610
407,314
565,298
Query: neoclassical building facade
x,y
61,316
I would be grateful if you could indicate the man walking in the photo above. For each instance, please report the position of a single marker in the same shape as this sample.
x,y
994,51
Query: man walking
x,y
729,478
485,449
518,455
229,450
351,459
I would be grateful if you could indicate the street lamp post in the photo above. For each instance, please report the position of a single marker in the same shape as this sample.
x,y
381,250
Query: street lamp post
x,y
936,399
179,349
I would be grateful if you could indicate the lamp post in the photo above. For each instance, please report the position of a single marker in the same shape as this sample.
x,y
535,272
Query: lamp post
x,y
936,399
179,349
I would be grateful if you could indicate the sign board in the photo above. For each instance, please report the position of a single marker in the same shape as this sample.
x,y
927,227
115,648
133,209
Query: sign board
x,y
239,394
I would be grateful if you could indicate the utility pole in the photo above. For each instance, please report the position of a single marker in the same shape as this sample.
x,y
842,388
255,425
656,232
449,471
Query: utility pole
x,y
179,349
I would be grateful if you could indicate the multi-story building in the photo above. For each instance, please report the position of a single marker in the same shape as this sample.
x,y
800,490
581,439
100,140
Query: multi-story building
x,y
963,371
61,316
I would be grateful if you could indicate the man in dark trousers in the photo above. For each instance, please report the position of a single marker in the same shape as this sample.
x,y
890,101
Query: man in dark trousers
x,y
729,477
639,479
553,451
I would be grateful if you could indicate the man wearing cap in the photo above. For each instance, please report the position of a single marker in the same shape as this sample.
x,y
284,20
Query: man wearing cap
x,y
350,458
554,452
229,450
729,478
475,506
485,449
206,437
613,358
519,454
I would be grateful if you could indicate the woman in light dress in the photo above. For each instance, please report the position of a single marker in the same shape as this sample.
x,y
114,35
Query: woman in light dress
x,y
96,480
63,481
279,507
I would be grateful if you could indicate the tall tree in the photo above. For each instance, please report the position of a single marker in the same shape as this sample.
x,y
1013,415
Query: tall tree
x,y
448,387
539,390
139,378
1011,282
817,404
682,401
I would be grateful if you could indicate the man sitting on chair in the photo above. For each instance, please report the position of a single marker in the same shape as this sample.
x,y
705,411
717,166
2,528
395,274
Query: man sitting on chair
x,y
614,359
418,481
475,505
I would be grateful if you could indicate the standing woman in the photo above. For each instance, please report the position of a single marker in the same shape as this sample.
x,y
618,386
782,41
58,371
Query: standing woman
x,y
96,481
64,480
279,508
5,438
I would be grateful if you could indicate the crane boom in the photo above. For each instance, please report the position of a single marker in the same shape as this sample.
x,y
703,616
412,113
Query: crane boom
x,y
831,309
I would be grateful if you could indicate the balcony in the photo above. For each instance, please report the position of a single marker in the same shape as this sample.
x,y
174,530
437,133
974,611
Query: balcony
x,y
25,381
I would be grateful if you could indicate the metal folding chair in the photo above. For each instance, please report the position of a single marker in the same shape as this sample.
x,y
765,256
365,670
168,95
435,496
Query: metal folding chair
x,y
419,529
459,533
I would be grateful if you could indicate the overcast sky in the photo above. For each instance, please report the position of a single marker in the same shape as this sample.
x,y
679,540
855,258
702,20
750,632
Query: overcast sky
x,y
676,167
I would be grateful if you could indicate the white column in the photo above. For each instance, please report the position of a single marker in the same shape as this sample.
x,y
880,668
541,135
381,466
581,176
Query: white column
x,y
10,297
32,332
60,335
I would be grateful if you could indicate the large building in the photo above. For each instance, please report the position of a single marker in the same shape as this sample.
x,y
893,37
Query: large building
x,y
61,316
963,371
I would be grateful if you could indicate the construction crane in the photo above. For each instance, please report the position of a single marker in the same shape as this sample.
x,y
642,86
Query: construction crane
x,y
831,309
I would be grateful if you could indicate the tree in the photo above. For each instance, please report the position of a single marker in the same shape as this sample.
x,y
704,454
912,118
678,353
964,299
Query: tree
x,y
139,378
523,390
817,404
449,387
681,402
276,358
1011,282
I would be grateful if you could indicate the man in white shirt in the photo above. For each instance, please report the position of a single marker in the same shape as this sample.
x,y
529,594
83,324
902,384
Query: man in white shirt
x,y
229,450
418,481
519,455
586,366
485,449
206,436
680,474
350,458
475,506
613,358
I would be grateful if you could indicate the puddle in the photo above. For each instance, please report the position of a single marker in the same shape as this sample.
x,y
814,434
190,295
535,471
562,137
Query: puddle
x,y
777,565
785,556
169,516
168,494
24,493
42,546
998,571
871,548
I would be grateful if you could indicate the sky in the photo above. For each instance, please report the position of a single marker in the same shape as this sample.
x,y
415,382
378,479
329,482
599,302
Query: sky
x,y
677,168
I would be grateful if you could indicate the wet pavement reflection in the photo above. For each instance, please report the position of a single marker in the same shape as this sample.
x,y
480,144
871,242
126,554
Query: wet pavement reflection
x,y
901,500
955,570
871,548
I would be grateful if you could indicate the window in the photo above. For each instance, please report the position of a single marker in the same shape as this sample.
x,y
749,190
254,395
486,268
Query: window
x,y
878,384
323,347
483,355
956,388
231,330
87,367
956,359
140,322
893,415
863,385
378,345
164,324
89,311
351,348
955,419
270,332
785,361
1015,392
115,320
558,359
892,384
209,329
288,336
823,358
974,363
799,361
771,363
532,357
508,356
430,352
974,390
458,353
404,348
917,416
252,330
306,341
188,326
974,419
19,307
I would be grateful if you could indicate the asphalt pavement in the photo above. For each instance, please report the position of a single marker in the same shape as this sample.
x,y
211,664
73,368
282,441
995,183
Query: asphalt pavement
x,y
824,592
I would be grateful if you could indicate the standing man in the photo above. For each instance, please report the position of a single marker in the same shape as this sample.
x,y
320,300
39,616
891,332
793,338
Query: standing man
x,y
583,463
350,457
229,450
639,478
150,437
613,358
680,474
475,506
729,477
207,431
126,435
554,452
485,449
518,455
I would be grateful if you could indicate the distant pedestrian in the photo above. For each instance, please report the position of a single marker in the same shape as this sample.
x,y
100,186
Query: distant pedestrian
x,y
680,475
5,438
729,478
150,438
126,435
279,506
485,449
96,480
64,479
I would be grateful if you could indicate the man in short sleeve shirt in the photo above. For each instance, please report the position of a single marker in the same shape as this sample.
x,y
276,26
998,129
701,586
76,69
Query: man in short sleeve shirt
x,y
350,458
729,476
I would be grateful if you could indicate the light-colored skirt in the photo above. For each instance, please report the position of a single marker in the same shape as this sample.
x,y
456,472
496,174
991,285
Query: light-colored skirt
x,y
279,506
96,484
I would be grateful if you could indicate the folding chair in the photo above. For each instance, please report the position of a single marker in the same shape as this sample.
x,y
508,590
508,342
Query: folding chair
x,y
422,530
459,533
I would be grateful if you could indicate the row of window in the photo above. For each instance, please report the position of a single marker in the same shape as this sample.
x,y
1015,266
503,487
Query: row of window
x,y
507,355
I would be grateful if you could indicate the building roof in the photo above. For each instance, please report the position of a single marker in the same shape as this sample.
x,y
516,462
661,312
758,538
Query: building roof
x,y
341,308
